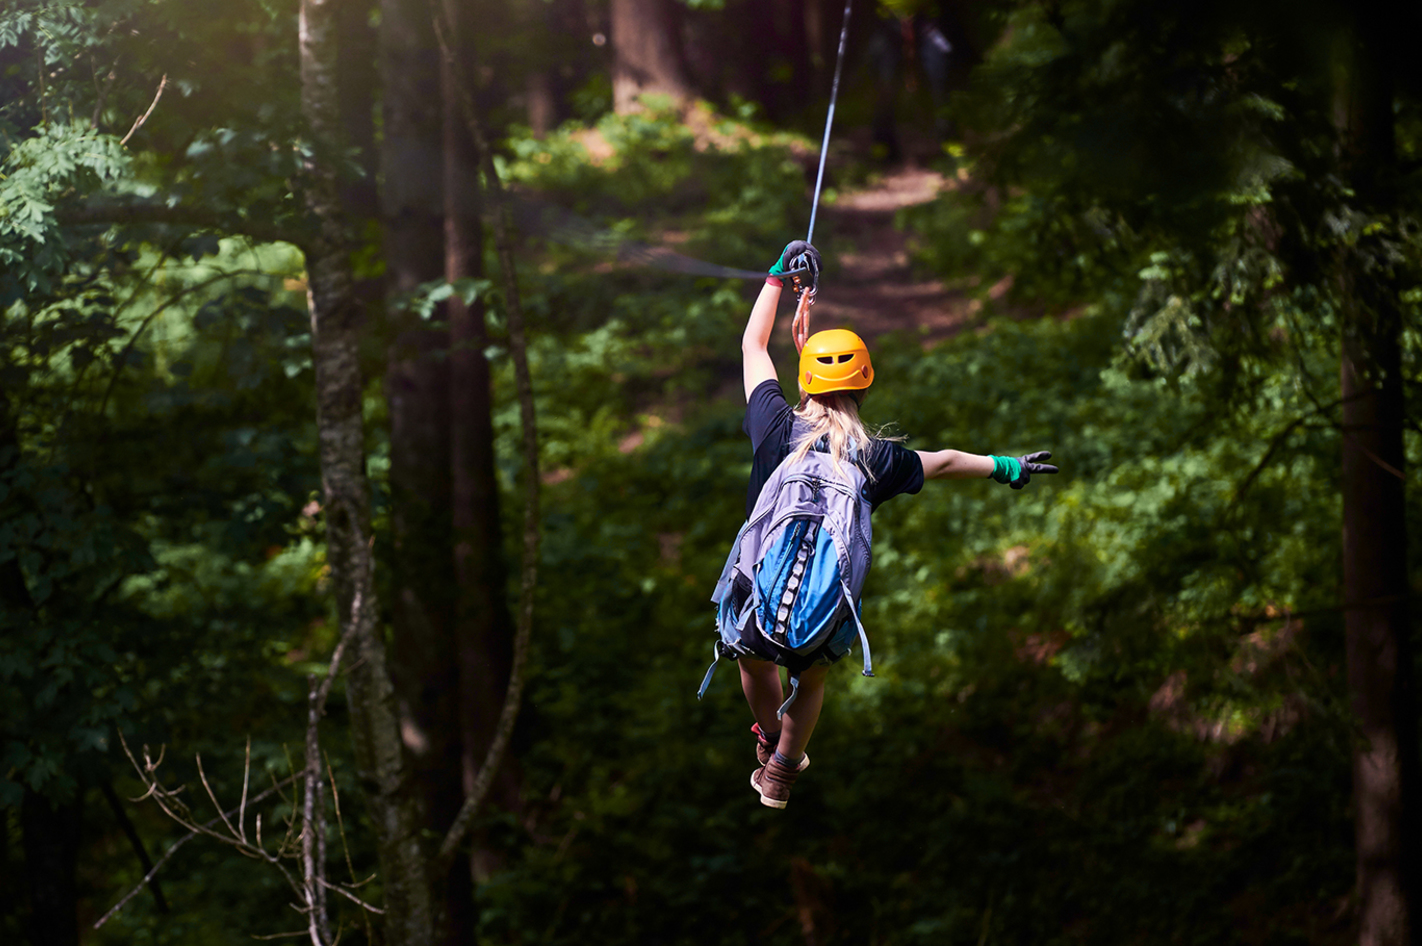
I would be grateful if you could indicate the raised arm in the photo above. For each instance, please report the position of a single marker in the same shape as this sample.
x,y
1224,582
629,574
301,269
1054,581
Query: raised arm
x,y
957,465
756,366
800,260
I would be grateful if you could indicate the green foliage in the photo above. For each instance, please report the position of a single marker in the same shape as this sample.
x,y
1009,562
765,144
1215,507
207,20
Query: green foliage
x,y
731,190
58,162
1109,708
1090,706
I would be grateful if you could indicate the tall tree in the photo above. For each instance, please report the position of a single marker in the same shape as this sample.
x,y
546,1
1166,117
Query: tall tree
x,y
417,386
483,631
646,52
1374,411
337,319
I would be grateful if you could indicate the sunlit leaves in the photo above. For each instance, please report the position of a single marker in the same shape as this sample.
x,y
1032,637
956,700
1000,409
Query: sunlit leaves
x,y
58,162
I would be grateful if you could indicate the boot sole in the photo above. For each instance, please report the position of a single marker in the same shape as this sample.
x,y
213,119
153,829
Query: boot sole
x,y
767,802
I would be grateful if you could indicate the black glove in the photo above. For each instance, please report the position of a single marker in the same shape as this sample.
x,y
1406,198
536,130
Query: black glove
x,y
1030,464
801,262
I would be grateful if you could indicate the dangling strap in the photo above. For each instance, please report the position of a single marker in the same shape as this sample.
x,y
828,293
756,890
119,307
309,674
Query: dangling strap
x,y
715,659
794,692
863,638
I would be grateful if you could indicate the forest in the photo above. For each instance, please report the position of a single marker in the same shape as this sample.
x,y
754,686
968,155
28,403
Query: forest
x,y
371,440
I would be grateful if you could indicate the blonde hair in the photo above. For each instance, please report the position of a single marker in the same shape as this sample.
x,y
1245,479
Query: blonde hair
x,y
834,416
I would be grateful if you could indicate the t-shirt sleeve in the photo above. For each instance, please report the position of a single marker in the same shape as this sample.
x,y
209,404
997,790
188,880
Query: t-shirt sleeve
x,y
764,411
897,469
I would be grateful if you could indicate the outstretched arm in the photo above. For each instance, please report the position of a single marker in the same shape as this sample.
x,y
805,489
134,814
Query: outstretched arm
x,y
957,465
954,465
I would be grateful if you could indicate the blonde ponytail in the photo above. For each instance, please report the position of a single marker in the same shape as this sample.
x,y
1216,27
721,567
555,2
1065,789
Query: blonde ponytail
x,y
835,416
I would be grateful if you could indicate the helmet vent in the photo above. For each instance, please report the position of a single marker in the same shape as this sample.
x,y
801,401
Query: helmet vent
x,y
844,358
825,359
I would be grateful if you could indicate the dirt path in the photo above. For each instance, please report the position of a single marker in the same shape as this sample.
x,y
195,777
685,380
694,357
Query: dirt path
x,y
875,289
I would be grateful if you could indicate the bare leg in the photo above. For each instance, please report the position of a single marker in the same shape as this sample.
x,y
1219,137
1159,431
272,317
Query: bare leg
x,y
760,679
800,718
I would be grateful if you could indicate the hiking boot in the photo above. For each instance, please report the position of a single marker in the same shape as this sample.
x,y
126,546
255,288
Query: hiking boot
x,y
773,781
764,750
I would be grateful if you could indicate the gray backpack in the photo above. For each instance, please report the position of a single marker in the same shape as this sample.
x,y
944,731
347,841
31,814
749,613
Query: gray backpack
x,y
790,588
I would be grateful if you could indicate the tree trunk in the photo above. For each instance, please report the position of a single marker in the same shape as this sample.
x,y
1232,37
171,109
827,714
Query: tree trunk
x,y
1376,627
1375,588
646,53
426,674
49,834
336,323
417,391
542,99
483,627
51,843
356,81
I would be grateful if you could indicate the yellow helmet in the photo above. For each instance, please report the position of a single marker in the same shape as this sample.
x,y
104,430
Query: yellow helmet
x,y
835,360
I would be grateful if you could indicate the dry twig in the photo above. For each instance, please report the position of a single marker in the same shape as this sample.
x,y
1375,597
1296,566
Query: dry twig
x,y
305,837
138,122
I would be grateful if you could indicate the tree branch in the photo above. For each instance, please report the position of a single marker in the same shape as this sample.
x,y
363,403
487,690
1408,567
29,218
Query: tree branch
x,y
167,855
138,122
136,842
124,214
1274,445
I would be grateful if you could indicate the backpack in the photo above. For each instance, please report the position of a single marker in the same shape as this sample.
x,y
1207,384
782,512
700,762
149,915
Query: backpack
x,y
790,588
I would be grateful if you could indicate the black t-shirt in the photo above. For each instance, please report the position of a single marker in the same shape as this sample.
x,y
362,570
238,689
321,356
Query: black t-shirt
x,y
769,423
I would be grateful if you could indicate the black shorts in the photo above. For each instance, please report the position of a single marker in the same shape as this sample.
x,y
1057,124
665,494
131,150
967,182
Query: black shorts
x,y
758,646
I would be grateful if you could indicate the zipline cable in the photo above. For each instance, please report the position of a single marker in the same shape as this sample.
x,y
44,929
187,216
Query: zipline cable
x,y
829,120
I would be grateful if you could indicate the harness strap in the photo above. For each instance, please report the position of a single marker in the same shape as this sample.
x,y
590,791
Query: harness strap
x,y
794,692
706,680
863,638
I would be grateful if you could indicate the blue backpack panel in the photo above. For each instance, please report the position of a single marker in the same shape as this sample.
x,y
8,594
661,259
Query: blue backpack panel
x,y
796,570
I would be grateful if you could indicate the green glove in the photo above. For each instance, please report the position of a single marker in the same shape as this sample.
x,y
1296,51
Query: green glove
x,y
1017,471
798,257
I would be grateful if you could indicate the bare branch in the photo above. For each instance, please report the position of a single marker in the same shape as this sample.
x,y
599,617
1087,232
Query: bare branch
x,y
246,775
131,832
340,825
318,924
146,878
138,122
352,897
193,832
203,775
322,905
340,650
280,935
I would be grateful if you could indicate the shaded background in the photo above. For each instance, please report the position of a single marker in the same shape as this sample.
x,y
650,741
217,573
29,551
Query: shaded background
x,y
1124,705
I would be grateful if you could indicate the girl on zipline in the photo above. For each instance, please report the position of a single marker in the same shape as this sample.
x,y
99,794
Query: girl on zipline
x,y
789,593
